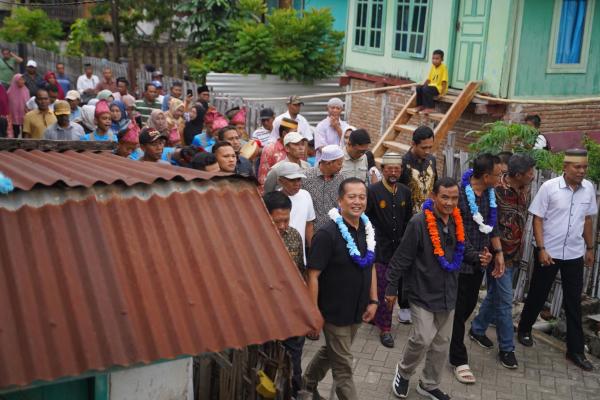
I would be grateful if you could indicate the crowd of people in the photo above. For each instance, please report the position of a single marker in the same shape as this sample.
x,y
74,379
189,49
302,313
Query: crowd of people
x,y
364,236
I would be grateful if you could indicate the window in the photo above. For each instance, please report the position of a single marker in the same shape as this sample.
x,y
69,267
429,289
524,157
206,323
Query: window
x,y
410,28
570,37
368,27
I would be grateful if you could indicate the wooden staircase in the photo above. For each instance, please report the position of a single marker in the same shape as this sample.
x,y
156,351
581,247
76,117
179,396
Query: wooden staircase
x,y
401,125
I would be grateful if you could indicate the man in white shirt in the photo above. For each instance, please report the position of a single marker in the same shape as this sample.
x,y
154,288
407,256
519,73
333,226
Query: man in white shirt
x,y
86,83
331,130
562,226
303,215
294,105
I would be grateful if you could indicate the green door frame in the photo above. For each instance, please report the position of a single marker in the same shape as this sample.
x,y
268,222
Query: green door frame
x,y
452,42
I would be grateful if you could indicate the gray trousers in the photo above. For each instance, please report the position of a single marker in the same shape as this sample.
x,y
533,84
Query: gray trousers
x,y
337,356
430,338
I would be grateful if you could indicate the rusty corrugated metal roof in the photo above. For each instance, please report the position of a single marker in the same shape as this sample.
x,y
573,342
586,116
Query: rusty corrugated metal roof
x,y
87,285
73,169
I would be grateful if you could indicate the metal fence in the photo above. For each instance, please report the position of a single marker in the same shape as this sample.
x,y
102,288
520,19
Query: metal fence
x,y
47,60
257,92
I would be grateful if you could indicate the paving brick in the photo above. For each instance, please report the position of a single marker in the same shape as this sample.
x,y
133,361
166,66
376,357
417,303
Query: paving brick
x,y
543,372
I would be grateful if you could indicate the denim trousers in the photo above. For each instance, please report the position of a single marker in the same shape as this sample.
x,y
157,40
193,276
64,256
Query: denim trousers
x,y
497,308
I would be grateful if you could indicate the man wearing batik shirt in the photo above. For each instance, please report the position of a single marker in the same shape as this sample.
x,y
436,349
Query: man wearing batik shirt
x,y
280,206
482,234
419,169
512,194
389,208
323,182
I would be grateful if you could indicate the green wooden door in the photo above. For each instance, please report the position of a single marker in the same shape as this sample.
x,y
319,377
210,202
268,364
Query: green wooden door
x,y
469,56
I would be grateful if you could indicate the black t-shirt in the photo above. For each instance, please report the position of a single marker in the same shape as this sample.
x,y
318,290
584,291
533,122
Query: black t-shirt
x,y
344,287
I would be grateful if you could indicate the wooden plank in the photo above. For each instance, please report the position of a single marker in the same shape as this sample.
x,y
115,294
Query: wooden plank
x,y
454,113
434,116
405,128
397,146
390,133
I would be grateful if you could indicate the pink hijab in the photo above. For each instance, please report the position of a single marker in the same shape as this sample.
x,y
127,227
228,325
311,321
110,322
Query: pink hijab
x,y
17,97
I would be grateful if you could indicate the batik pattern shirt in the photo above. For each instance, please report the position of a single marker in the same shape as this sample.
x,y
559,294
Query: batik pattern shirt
x,y
419,176
271,155
293,243
512,216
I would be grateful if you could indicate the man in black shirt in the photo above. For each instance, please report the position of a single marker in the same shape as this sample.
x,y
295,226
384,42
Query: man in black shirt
x,y
389,208
430,288
419,169
487,172
344,288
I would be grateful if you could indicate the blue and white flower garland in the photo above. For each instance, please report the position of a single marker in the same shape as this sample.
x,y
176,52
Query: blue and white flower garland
x,y
477,217
368,259
6,184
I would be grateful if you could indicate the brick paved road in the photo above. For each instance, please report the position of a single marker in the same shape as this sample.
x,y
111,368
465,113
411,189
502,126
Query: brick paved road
x,y
543,372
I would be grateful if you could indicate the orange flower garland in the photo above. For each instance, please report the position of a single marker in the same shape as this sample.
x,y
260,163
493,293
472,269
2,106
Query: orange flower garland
x,y
434,235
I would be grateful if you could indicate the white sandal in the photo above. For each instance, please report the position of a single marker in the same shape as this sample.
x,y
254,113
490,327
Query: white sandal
x,y
463,374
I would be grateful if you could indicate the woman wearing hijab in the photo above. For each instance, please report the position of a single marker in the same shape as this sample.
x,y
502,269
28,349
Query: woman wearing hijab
x,y
50,79
175,121
195,125
158,121
18,95
105,95
118,115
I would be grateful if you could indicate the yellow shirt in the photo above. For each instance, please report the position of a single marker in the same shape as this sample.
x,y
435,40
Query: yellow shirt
x,y
437,76
36,122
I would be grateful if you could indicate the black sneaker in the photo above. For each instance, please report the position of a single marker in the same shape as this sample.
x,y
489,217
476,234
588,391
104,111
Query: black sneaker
x,y
400,385
387,340
525,338
435,394
508,359
481,340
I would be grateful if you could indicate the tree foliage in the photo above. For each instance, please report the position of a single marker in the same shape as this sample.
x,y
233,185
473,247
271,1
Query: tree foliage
x,y
292,45
27,26
81,37
205,19
130,13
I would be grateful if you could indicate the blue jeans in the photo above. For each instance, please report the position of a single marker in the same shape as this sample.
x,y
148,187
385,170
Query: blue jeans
x,y
497,308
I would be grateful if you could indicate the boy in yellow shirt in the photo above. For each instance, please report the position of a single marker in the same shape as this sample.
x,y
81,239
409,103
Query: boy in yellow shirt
x,y
435,85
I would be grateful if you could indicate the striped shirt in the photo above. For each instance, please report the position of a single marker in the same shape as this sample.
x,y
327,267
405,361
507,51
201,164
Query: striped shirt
x,y
145,109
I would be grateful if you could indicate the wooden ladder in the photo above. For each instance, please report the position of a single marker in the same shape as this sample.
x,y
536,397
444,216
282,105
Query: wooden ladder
x,y
401,124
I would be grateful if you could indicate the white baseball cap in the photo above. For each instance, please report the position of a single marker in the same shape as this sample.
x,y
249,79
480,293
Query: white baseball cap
x,y
73,95
293,137
31,63
290,170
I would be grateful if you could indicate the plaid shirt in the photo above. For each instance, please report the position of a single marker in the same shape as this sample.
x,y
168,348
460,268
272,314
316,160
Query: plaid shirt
x,y
474,237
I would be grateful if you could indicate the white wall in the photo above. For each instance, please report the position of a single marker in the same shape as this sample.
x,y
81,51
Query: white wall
x,y
170,380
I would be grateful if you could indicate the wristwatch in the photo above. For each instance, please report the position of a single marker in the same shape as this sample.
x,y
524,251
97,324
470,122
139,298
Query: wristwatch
x,y
589,247
496,251
374,302
541,248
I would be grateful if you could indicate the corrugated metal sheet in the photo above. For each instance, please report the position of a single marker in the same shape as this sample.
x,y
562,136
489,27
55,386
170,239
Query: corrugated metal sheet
x,y
73,169
88,284
254,85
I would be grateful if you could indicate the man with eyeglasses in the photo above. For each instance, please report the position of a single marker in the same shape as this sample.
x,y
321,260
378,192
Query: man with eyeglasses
x,y
355,163
481,231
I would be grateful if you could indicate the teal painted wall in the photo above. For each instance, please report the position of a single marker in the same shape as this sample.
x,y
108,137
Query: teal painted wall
x,y
339,9
71,390
530,77
441,31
